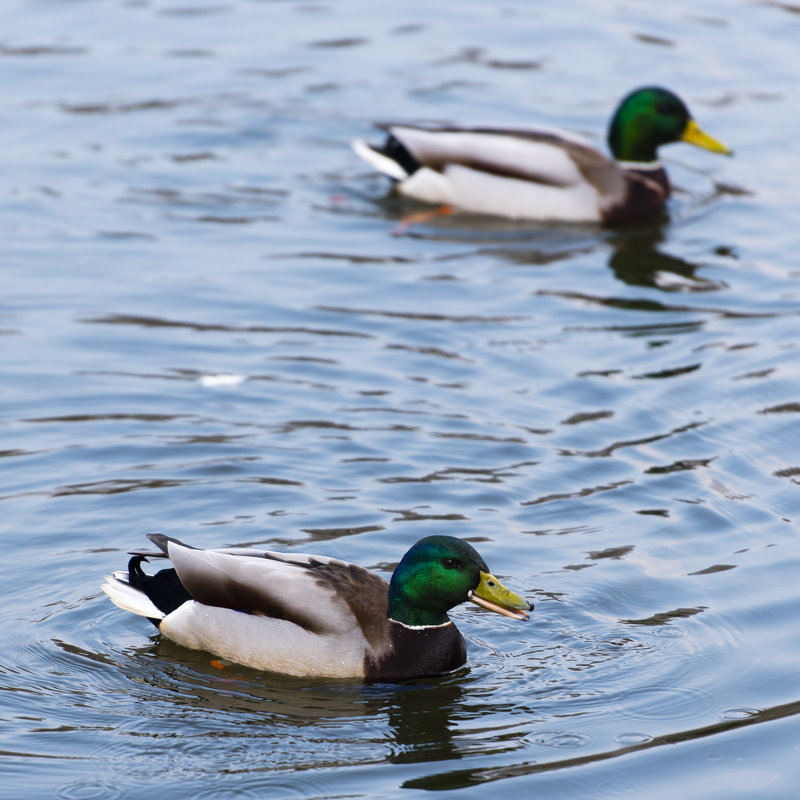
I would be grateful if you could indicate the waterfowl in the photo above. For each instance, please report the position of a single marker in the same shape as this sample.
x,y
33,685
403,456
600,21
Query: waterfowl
x,y
543,175
310,615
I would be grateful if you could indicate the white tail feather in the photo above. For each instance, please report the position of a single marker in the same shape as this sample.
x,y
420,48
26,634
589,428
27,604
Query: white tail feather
x,y
122,594
382,163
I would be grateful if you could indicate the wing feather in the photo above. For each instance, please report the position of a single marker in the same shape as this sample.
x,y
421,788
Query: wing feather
x,y
529,155
321,595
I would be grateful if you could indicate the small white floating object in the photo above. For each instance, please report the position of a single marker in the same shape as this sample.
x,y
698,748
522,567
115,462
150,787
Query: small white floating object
x,y
225,380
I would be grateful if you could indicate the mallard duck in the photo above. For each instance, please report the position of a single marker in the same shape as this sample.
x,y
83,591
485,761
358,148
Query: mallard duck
x,y
534,174
311,615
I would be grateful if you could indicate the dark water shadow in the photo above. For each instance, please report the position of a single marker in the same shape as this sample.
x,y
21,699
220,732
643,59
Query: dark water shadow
x,y
421,722
134,320
637,259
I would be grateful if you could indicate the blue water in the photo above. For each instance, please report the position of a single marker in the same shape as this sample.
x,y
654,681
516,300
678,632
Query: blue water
x,y
214,325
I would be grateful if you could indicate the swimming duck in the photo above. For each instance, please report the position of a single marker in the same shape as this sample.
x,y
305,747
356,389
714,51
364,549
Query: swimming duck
x,y
535,174
309,615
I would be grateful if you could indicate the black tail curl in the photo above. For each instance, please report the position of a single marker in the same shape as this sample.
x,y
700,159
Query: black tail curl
x,y
397,151
164,589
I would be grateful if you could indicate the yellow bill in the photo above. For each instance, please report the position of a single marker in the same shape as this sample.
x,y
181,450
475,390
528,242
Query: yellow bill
x,y
492,595
694,134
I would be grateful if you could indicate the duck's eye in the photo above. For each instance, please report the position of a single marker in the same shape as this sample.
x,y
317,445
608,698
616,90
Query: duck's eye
x,y
667,109
450,563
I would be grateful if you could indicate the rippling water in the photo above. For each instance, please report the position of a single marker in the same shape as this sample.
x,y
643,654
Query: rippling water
x,y
216,324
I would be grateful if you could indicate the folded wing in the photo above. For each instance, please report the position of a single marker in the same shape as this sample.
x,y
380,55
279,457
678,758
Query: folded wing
x,y
320,595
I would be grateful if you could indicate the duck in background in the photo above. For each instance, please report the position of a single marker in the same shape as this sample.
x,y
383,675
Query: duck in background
x,y
543,175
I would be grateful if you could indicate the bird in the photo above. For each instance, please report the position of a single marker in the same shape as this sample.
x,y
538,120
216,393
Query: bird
x,y
543,175
315,616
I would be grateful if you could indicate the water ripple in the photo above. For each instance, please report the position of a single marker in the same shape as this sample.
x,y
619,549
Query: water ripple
x,y
641,304
560,739
88,790
158,322
673,703
414,315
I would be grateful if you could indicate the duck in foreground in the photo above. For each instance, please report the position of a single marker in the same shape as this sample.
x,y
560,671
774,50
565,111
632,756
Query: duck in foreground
x,y
311,615
535,174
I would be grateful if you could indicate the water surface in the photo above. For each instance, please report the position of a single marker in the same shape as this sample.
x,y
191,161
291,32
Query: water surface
x,y
216,325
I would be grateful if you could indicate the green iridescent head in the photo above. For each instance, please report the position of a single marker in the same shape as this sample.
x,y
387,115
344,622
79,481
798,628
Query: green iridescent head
x,y
649,118
440,572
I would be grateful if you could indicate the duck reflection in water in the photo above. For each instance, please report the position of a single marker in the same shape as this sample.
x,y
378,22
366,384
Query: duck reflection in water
x,y
637,261
421,719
